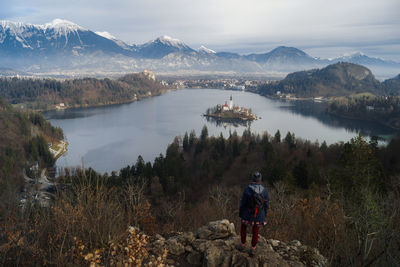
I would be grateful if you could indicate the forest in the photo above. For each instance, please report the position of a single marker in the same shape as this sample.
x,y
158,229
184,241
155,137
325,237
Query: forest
x,y
24,139
385,110
341,198
340,79
43,94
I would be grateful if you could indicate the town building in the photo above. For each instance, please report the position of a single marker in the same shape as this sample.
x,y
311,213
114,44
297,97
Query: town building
x,y
149,74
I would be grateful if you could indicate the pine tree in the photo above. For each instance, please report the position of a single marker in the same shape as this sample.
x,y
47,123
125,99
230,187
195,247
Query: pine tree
x,y
192,138
204,134
277,137
186,142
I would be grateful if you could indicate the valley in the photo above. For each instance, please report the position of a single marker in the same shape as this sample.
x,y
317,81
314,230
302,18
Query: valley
x,y
121,148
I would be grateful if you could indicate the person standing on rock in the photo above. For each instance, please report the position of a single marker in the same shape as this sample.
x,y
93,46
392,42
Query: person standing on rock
x,y
253,210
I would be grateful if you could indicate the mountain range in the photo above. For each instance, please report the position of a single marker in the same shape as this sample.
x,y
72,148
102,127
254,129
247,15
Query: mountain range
x,y
64,47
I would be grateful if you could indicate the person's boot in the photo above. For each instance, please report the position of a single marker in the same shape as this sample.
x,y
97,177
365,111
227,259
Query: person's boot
x,y
252,251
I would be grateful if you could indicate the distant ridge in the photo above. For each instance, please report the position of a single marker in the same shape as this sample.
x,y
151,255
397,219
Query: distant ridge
x,y
62,46
162,46
339,79
282,57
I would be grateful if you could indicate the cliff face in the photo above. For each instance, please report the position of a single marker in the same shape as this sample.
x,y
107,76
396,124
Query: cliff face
x,y
214,245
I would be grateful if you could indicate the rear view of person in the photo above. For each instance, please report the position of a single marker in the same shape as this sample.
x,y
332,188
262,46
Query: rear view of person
x,y
253,209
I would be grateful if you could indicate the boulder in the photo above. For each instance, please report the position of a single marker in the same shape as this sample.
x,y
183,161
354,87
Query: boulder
x,y
216,230
215,245
174,247
194,258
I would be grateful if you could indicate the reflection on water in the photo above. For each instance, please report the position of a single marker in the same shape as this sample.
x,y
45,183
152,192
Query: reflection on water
x,y
75,113
318,110
109,138
224,123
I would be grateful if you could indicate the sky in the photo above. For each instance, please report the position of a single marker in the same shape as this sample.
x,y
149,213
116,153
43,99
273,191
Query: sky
x,y
321,28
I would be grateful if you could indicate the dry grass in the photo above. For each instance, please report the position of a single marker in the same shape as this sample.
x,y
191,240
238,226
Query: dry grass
x,y
85,226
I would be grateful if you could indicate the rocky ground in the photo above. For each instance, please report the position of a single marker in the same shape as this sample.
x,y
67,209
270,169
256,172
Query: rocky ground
x,y
215,245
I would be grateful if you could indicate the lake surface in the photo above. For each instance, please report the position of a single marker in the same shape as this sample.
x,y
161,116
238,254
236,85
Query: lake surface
x,y
110,138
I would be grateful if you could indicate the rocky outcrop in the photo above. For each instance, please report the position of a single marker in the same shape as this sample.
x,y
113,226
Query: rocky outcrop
x,y
215,245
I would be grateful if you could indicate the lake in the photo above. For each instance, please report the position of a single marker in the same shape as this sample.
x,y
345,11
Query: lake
x,y
112,137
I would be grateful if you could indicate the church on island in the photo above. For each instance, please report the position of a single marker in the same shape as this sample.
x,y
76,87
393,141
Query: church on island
x,y
232,108
230,112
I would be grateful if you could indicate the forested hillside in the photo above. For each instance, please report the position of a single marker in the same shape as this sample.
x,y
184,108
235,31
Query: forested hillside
x,y
340,79
392,86
351,90
343,199
24,138
384,110
47,93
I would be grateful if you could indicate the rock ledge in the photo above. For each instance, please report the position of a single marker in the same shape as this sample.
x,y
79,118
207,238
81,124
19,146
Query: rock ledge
x,y
214,245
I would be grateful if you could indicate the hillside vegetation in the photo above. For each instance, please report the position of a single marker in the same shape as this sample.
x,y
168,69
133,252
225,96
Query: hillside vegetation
x,y
340,79
24,138
47,93
352,91
342,199
392,86
384,110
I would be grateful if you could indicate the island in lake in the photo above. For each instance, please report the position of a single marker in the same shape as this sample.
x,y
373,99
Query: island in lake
x,y
230,113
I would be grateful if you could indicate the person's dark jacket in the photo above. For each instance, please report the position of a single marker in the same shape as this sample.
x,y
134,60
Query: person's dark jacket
x,y
245,212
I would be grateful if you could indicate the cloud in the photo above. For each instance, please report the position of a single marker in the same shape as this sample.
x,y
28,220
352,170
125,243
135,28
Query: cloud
x,y
12,10
218,23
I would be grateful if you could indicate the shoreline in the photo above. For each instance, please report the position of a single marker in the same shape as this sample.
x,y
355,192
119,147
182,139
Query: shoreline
x,y
55,108
361,119
312,99
326,101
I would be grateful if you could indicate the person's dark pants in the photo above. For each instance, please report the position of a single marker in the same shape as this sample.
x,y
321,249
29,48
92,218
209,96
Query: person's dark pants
x,y
243,233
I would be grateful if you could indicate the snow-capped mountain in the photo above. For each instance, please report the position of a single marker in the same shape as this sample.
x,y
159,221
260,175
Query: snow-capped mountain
x,y
106,35
162,46
58,36
206,50
62,46
362,59
122,44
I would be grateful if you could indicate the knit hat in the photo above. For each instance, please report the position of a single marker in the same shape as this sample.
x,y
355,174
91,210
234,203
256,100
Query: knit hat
x,y
257,177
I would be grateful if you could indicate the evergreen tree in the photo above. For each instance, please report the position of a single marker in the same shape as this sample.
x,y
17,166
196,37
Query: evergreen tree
x,y
277,137
192,138
140,165
360,168
235,147
204,134
246,134
290,140
186,142
220,145
300,174
174,167
159,170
